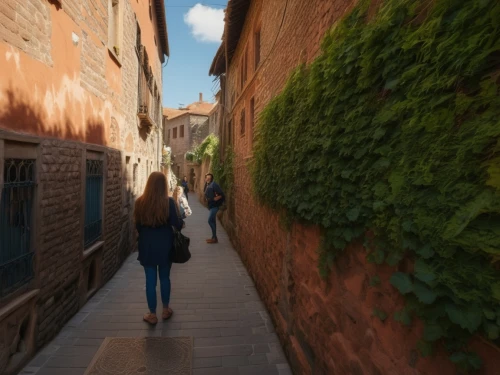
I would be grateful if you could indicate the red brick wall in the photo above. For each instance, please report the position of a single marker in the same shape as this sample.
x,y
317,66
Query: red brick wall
x,y
327,326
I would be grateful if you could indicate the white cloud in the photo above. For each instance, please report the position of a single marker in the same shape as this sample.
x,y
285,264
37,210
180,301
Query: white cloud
x,y
207,24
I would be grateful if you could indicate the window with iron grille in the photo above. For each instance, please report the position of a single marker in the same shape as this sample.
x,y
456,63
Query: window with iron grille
x,y
93,202
16,204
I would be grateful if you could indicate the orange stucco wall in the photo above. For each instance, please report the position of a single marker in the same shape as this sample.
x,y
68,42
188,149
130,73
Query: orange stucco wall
x,y
70,92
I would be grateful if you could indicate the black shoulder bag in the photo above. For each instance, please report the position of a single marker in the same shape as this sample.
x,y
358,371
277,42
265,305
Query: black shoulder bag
x,y
180,251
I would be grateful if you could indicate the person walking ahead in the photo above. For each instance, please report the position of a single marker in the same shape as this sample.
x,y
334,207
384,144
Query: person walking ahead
x,y
185,186
214,197
155,214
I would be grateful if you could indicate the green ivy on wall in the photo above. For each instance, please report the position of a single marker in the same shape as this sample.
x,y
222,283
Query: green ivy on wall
x,y
209,149
394,129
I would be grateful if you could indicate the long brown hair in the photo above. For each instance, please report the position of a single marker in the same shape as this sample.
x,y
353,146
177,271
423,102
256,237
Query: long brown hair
x,y
151,208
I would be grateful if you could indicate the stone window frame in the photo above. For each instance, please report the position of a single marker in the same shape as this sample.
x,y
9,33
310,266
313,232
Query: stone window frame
x,y
25,147
174,133
115,29
181,131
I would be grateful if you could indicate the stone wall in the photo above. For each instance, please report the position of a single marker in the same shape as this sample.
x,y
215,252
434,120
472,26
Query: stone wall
x,y
326,326
65,95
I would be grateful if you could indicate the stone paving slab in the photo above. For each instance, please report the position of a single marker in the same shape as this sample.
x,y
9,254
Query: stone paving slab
x,y
214,301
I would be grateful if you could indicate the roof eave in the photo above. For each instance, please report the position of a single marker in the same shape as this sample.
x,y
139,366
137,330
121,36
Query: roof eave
x,y
161,19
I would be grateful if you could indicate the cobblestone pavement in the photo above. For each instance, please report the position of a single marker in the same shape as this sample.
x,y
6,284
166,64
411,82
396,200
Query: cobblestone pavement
x,y
213,298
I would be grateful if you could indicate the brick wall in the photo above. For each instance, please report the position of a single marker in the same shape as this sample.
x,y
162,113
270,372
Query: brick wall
x,y
60,250
326,326
27,26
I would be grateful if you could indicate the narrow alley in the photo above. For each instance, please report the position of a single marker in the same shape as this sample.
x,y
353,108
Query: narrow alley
x,y
214,301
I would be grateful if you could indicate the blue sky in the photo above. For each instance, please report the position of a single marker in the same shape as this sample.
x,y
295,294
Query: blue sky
x,y
194,32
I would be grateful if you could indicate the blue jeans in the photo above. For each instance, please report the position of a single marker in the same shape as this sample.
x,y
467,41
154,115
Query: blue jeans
x,y
151,278
212,221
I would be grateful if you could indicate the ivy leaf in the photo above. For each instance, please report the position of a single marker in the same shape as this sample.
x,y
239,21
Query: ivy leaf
x,y
466,360
495,289
394,258
401,281
489,314
433,332
378,256
493,331
466,317
424,272
379,133
426,251
425,348
353,213
391,84
423,293
402,317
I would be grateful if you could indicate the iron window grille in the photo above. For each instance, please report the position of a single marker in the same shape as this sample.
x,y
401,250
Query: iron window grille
x,y
16,205
93,202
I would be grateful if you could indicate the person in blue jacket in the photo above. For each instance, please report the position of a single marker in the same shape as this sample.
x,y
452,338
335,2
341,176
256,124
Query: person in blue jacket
x,y
185,186
155,214
215,198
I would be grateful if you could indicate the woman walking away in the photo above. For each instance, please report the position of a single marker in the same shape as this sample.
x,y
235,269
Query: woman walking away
x,y
182,203
185,186
155,215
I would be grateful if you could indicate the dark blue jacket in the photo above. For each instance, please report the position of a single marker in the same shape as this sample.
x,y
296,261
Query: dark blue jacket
x,y
185,186
155,244
210,190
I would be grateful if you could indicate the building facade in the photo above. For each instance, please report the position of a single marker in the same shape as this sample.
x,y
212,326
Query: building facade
x,y
326,326
184,129
80,130
213,116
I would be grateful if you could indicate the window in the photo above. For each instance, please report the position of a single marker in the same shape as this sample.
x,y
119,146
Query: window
x,y
175,133
93,202
181,131
252,115
114,26
134,178
257,49
229,130
243,69
242,122
16,205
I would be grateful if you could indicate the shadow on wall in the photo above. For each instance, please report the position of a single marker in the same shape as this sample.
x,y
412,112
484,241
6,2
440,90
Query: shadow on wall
x,y
46,314
20,114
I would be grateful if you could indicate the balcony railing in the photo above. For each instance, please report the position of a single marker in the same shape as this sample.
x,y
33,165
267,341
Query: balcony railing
x,y
149,108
